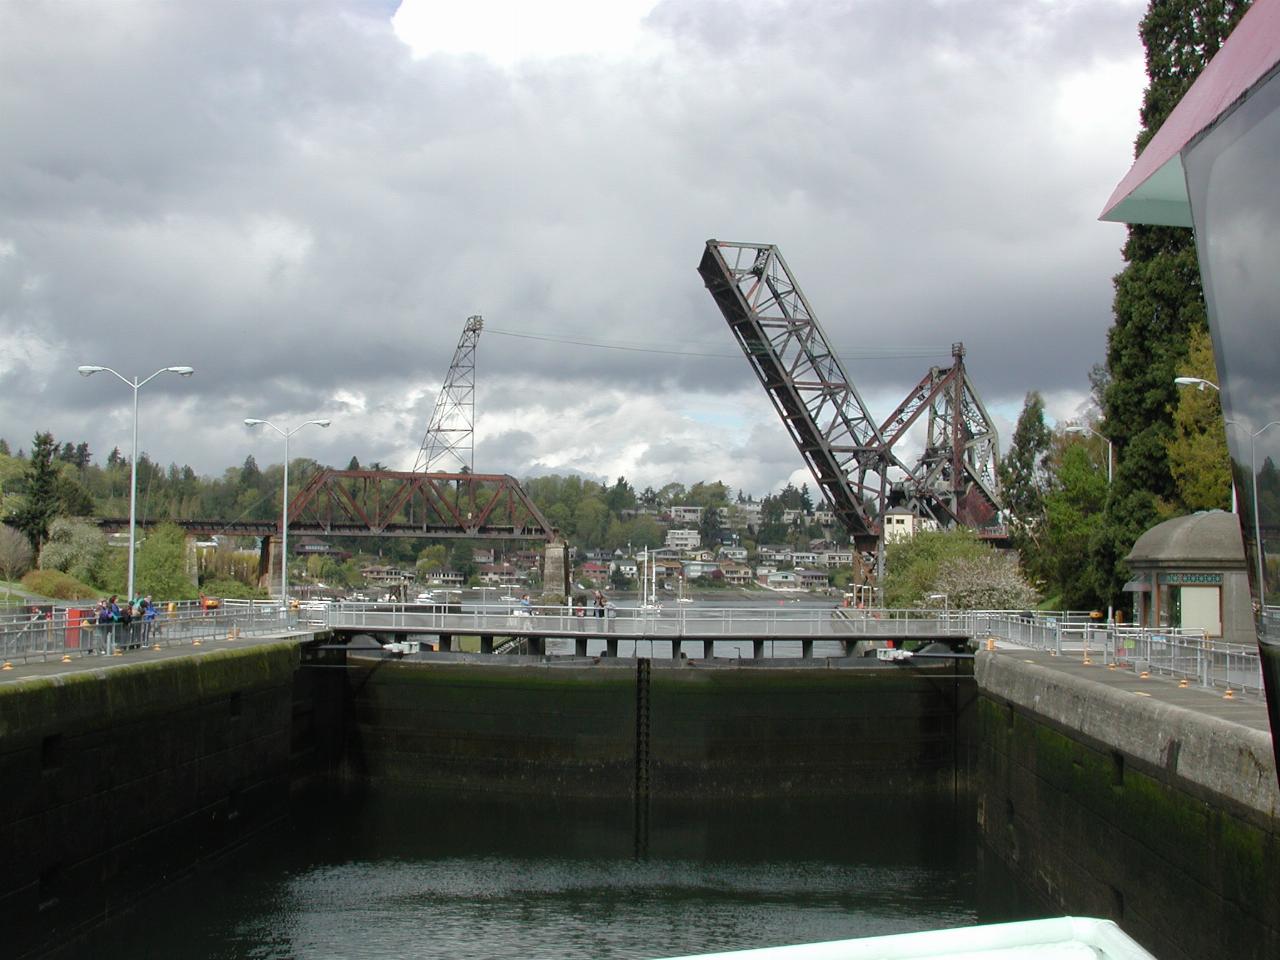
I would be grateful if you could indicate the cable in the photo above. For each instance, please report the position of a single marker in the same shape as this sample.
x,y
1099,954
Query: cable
x,y
880,353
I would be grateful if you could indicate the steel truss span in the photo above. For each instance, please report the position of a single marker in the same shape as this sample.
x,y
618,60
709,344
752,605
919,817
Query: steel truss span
x,y
405,504
850,456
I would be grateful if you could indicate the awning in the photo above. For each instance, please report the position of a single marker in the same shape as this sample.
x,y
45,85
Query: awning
x,y
1137,586
1155,189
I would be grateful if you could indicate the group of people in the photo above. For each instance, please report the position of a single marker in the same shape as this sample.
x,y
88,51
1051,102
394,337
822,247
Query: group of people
x,y
127,624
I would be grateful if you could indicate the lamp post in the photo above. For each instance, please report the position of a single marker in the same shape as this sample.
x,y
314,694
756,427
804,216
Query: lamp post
x,y
1081,428
136,384
284,504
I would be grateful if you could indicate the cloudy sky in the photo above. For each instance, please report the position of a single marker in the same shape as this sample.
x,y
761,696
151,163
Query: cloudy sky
x,y
304,201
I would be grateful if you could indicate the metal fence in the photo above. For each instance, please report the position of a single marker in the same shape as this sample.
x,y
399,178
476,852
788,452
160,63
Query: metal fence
x,y
69,633
51,633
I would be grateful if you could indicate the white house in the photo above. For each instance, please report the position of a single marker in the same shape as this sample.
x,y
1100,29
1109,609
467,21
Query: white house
x,y
682,539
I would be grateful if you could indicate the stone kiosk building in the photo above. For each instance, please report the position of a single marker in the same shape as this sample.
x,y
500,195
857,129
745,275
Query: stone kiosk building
x,y
1190,572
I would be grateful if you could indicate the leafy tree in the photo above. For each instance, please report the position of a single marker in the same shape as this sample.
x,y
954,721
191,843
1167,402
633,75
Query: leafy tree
x,y
4,446
75,547
15,554
989,580
621,496
1158,301
162,564
1197,450
40,504
912,565
1074,522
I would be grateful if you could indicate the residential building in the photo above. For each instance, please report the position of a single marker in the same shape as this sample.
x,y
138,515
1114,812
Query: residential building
x,y
812,579
699,568
836,558
738,574
804,558
901,524
686,514
682,539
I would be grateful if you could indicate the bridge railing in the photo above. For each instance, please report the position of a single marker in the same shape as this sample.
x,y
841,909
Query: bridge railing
x,y
70,633
674,622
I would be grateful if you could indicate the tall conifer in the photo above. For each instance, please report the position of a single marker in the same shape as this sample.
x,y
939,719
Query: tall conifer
x,y
1158,301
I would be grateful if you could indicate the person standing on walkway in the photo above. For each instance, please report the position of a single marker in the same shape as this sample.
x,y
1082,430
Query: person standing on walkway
x,y
600,602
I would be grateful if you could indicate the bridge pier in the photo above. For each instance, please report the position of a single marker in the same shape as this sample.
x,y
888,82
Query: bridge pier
x,y
806,649
486,643
757,649
610,647
579,646
537,646
708,649
446,643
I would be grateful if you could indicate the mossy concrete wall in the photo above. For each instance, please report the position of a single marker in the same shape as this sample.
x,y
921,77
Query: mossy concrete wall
x,y
115,780
1118,806
594,730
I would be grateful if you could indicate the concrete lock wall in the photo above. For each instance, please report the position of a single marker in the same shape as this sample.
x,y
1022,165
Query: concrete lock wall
x,y
600,731
1116,806
117,780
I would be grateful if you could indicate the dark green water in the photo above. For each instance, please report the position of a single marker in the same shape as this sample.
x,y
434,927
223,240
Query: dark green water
x,y
391,876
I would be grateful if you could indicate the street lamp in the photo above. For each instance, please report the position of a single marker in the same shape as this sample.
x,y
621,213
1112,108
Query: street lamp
x,y
284,516
1080,428
1198,382
87,370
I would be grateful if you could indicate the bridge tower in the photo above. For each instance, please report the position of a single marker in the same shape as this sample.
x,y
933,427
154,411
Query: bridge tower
x,y
449,443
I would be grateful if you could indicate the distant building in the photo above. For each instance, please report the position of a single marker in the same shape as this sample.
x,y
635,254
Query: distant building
x,y
682,539
738,574
699,568
901,524
812,579
686,514
737,554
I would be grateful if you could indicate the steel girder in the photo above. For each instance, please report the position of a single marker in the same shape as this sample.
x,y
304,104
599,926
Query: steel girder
x,y
408,504
450,438
788,350
848,455
956,479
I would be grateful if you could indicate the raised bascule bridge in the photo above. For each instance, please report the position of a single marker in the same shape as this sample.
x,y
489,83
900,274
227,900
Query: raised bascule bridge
x,y
854,458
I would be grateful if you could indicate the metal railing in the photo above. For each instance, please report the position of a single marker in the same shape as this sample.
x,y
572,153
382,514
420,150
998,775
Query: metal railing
x,y
62,632
71,633
1175,652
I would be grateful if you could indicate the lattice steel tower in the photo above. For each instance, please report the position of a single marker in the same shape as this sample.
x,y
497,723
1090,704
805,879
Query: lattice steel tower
x,y
449,444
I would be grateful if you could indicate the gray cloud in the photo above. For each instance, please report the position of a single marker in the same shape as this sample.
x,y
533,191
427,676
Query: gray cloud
x,y
282,197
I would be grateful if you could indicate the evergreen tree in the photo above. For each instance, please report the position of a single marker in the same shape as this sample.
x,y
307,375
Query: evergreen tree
x,y
40,504
4,446
1158,301
1024,469
709,527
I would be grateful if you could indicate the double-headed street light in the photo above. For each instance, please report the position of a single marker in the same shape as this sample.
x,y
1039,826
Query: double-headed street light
x,y
88,371
284,516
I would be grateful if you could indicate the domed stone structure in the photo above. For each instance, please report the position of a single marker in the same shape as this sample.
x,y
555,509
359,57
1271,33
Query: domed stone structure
x,y
1190,572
